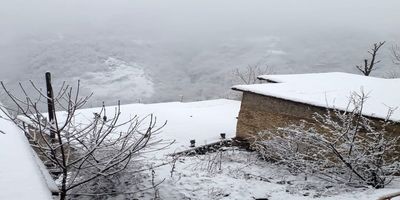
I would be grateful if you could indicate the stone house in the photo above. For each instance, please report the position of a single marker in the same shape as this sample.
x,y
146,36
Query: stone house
x,y
287,99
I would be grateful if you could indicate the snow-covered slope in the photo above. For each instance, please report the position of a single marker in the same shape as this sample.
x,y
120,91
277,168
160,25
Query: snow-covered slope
x,y
119,79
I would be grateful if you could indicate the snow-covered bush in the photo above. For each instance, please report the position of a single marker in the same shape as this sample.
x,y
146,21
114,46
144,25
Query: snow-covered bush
x,y
341,147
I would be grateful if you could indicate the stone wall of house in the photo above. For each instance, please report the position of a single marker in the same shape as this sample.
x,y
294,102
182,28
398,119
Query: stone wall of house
x,y
258,113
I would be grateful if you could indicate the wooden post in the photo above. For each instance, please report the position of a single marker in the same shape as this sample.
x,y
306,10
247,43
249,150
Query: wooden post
x,y
50,103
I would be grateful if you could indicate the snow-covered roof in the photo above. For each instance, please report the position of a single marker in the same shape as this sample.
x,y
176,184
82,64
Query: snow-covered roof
x,y
332,90
22,175
202,121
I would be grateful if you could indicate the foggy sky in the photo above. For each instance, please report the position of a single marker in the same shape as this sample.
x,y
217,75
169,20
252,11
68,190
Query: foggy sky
x,y
184,42
197,19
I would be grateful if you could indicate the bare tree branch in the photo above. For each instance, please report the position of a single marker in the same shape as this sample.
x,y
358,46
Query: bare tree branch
x,y
369,66
251,72
396,54
101,147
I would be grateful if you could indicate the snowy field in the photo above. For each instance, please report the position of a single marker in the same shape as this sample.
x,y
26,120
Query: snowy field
x,y
227,174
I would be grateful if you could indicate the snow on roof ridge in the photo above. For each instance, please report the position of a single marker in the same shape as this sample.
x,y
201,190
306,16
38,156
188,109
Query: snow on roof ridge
x,y
276,77
332,90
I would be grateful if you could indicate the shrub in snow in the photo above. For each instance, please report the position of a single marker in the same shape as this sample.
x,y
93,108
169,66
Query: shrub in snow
x,y
341,147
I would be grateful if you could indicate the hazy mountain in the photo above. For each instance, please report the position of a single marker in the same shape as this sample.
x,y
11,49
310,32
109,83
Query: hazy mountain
x,y
154,51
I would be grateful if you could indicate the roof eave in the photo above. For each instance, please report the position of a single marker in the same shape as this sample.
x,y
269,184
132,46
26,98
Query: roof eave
x,y
237,89
266,79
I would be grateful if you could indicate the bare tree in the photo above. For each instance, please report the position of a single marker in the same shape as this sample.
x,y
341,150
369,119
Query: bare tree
x,y
340,146
370,66
396,54
82,153
251,72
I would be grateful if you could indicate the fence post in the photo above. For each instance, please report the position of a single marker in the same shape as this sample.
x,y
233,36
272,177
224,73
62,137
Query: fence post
x,y
50,104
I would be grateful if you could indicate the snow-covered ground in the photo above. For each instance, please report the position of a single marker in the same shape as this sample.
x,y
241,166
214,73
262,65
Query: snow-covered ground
x,y
228,174
243,175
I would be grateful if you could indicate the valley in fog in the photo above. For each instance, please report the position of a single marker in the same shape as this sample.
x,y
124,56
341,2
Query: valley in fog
x,y
155,51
